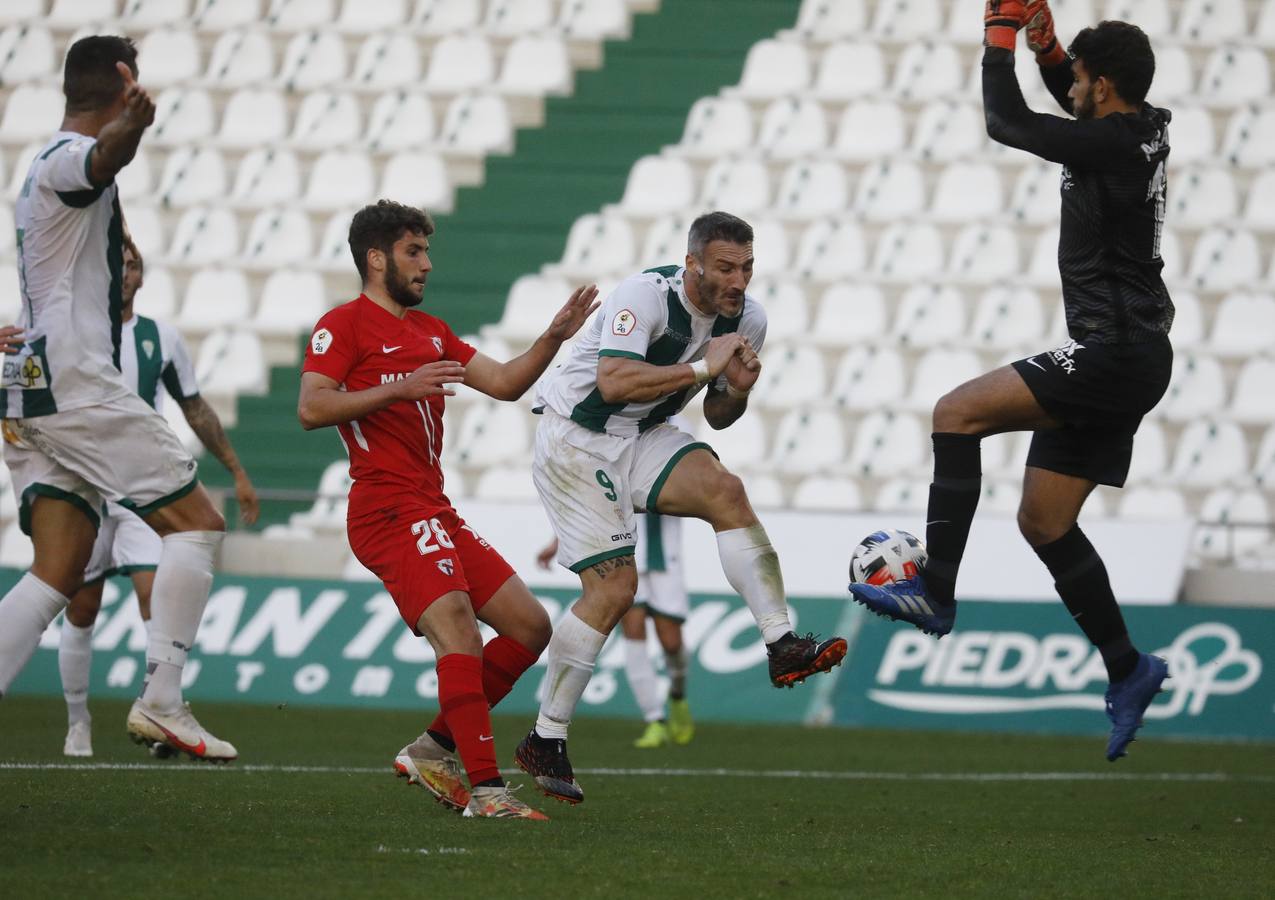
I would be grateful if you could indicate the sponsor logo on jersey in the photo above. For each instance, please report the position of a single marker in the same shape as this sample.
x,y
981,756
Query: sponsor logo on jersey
x,y
677,336
148,347
1067,180
623,323
389,377
626,536
446,566
385,349
438,343
321,341
24,372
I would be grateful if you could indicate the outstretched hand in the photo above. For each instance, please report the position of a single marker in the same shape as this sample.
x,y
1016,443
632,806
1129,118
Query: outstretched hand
x,y
431,380
582,304
139,108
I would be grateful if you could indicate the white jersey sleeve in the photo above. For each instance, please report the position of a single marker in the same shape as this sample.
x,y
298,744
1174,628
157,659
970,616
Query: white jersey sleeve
x,y
632,317
66,167
179,371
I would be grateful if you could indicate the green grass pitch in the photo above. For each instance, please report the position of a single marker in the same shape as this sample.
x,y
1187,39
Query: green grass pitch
x,y
313,810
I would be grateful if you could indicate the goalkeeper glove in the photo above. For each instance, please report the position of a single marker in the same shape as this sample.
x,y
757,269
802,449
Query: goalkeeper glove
x,y
1001,21
1038,22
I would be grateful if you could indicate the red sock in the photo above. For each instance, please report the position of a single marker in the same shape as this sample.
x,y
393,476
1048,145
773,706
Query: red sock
x,y
460,680
504,661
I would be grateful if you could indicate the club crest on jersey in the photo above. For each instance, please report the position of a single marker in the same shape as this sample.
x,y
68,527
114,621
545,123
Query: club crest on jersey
x,y
623,323
148,347
438,343
321,341
446,567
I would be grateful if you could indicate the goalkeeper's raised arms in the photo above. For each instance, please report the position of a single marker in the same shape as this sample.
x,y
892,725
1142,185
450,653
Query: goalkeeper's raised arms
x,y
1001,21
1038,24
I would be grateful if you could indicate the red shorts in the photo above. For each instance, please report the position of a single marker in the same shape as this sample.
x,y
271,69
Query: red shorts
x,y
421,556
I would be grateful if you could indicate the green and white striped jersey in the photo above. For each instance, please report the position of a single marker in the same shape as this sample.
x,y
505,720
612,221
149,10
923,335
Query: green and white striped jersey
x,y
153,354
70,246
648,317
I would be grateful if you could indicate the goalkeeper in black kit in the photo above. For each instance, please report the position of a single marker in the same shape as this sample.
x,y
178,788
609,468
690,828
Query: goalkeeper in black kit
x,y
1085,400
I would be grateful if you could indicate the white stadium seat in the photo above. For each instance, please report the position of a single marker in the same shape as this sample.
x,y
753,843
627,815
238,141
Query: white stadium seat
x,y
509,483
1153,16
216,298
665,241
948,130
906,253
204,235
1239,528
593,20
1254,399
1197,387
1259,209
182,116
73,13
191,177
827,494
929,315
886,444
1264,465
597,245
510,18
1224,258
830,20
1202,197
810,189
967,192
868,130
1244,324
491,433
1233,76
938,372
333,254
850,69
1264,33
266,177
278,237
169,56
32,112
419,179
1210,22
399,121
787,313
299,15
1003,497
743,446
984,254
292,300
10,292
1209,454
774,69
241,59
533,299
1250,137
223,15
339,179
435,17
328,511
1194,137
808,441
1072,15
902,495
326,120
849,314
231,363
792,128
1007,318
158,298
1150,457
536,66
26,53
361,17
1188,320
715,127
741,185
830,250
793,376
147,229
386,61
889,190
1174,76
477,125
313,59
889,24
460,63
1153,504
136,180
770,243
927,71
20,11
253,117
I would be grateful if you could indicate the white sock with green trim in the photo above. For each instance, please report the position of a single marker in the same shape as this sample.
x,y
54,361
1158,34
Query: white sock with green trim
x,y
752,568
643,681
25,612
573,651
182,583
75,660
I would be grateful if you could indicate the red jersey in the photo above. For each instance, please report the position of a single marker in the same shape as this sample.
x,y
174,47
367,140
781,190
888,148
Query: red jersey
x,y
395,450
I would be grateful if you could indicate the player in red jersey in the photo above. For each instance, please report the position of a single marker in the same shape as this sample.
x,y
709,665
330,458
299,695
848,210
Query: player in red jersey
x,y
379,370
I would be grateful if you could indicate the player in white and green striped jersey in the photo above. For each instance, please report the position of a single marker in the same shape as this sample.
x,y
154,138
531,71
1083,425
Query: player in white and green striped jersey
x,y
605,451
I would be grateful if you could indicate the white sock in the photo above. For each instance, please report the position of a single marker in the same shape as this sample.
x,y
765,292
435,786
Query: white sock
x,y
25,612
573,650
752,568
675,666
75,658
182,583
640,671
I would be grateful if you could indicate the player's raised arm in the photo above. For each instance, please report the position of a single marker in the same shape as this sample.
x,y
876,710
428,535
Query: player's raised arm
x,y
625,380
117,141
1055,65
510,380
722,407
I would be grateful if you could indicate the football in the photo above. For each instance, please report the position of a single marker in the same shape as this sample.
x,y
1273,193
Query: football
x,y
886,556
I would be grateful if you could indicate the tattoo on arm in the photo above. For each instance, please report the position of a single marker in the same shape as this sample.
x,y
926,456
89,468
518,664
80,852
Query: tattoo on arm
x,y
607,566
207,427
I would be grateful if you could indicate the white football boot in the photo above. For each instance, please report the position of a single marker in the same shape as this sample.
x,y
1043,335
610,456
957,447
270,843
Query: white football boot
x,y
433,767
178,730
79,739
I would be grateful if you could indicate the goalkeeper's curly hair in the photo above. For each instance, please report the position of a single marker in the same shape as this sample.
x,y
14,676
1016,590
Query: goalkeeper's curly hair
x,y
1122,53
378,226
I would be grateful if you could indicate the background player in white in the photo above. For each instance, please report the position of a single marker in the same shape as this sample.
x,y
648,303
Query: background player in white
x,y
75,434
605,450
154,360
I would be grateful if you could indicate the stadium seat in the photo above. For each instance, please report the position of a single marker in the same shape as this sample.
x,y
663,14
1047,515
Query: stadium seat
x,y
1150,459
492,433
1152,16
657,185
136,180
253,117
889,24
1197,388
434,17
869,130
848,70
477,125
1249,141
386,61
400,121
170,56
1264,465
811,188
1175,79
361,17
1003,497
536,67
794,376
460,63
740,185
927,71
533,299
902,495
742,446
327,120
147,229
868,378
1152,504
787,313
808,441
266,177
278,237
300,15
947,130
21,11
10,293
333,254
1007,318
1264,33
890,190
339,179
817,493
792,128
191,177
510,18
1209,453
328,511
1072,15
1224,258
241,59
1254,400
938,372
231,363
830,250
1233,76
1209,22
665,241
1232,523
419,179
716,127
1259,209
774,69
1244,324
1202,197
1188,320
158,296
1193,135
597,245
848,314
204,235
223,15
967,192
26,53
31,113
886,444
216,298
908,253
74,13
182,116
929,315
984,254
312,60
506,483
593,20
831,20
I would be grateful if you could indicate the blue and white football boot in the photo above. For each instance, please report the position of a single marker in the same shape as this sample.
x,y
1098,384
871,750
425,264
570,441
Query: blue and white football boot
x,y
907,601
1129,698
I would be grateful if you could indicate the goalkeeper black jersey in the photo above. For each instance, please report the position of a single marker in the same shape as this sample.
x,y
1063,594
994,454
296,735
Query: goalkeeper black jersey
x,y
1113,201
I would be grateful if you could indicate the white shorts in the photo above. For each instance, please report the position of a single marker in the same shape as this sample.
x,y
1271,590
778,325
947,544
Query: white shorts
x,y
661,579
121,450
591,484
125,544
